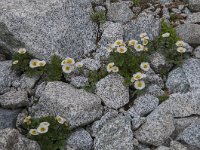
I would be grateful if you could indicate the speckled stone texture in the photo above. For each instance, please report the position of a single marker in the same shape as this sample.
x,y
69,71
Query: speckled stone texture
x,y
14,99
10,139
180,105
6,76
144,23
156,129
189,33
79,81
193,18
194,5
77,106
177,81
91,64
115,135
80,140
191,68
143,105
196,52
111,33
191,135
112,91
51,26
8,118
120,11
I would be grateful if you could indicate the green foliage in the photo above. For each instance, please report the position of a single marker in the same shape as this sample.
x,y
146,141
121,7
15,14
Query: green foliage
x,y
99,17
163,98
167,46
23,65
54,69
128,63
136,2
56,136
93,78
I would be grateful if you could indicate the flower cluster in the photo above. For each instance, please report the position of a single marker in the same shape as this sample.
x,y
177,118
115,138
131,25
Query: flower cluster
x,y
43,126
181,46
112,68
139,84
68,65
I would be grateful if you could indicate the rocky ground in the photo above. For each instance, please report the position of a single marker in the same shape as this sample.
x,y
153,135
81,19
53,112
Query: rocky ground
x,y
110,118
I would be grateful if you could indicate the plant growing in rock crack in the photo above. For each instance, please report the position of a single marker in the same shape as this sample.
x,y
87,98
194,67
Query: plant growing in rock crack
x,y
130,60
23,62
136,2
54,70
99,17
50,132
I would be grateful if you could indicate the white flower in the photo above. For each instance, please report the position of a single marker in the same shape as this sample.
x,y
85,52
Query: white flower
x,y
33,132
42,129
139,47
166,35
110,66
181,49
22,51
115,69
110,48
122,49
118,43
70,61
79,64
44,124
132,42
41,63
138,76
27,119
145,66
60,120
34,63
145,38
67,68
139,85
15,62
142,35
180,44
145,42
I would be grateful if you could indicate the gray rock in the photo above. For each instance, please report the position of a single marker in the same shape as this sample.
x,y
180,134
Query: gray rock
x,y
115,135
144,23
165,12
101,53
175,10
10,139
162,148
154,90
191,135
194,5
6,76
120,12
197,52
51,26
97,125
112,91
180,105
91,64
77,106
182,123
177,81
79,81
111,33
165,1
28,82
157,61
8,118
193,18
174,145
191,68
189,33
156,129
80,140
39,89
137,122
25,144
2,57
143,105
14,99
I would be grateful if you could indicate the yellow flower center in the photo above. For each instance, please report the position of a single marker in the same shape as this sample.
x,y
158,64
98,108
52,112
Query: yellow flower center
x,y
137,76
67,68
34,132
69,61
42,129
34,63
145,66
118,43
139,84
